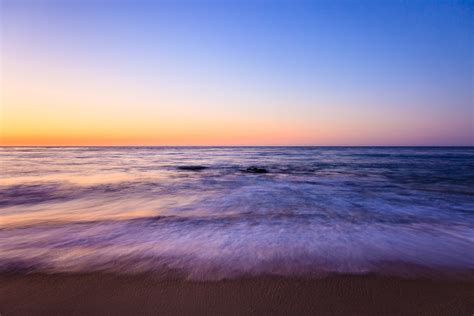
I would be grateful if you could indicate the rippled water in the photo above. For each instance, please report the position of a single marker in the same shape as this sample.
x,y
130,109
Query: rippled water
x,y
202,212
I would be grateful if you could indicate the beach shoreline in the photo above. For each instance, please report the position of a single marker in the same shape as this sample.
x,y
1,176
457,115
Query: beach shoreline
x,y
120,294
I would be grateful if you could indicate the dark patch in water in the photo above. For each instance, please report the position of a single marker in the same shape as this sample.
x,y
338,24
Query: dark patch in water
x,y
192,168
256,170
33,194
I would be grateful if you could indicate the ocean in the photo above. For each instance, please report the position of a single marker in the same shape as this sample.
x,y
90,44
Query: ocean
x,y
223,212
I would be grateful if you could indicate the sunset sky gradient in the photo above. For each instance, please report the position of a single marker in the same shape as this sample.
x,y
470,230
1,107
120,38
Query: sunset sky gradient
x,y
237,73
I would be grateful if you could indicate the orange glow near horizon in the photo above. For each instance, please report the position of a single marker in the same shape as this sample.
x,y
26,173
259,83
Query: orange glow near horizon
x,y
225,133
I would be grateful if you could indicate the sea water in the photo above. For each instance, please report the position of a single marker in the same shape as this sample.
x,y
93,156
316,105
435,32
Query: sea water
x,y
219,212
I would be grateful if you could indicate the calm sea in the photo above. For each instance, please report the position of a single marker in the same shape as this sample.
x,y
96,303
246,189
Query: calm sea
x,y
217,212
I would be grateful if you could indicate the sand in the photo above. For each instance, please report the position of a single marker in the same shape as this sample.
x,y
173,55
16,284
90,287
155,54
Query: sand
x,y
103,293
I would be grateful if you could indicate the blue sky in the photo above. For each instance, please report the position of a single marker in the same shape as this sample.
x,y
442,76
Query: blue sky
x,y
251,72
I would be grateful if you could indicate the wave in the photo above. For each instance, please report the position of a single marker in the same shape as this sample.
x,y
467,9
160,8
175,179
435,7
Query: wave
x,y
203,249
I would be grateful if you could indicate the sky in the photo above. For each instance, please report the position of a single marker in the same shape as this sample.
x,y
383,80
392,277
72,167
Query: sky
x,y
237,72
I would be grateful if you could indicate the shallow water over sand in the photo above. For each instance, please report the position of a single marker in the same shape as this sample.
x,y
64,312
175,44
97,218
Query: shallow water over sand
x,y
213,213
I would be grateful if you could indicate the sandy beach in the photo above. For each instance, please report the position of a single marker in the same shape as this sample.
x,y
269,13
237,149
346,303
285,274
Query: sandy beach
x,y
99,293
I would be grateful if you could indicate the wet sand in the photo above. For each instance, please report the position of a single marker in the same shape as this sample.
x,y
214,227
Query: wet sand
x,y
102,293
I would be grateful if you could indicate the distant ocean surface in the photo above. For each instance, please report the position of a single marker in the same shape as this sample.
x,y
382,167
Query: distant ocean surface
x,y
219,212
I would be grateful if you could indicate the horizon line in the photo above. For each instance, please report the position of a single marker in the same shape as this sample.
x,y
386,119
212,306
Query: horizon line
x,y
233,146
